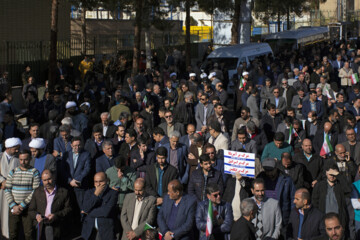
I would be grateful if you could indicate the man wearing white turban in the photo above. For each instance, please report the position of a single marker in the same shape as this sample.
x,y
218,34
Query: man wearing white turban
x,y
8,161
40,160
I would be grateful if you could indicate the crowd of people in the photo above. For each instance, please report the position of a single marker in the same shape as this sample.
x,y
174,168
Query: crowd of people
x,y
108,156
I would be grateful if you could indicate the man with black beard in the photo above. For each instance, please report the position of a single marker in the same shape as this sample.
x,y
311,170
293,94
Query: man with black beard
x,y
184,111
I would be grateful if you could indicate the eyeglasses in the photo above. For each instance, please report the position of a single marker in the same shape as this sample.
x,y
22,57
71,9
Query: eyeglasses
x,y
170,116
210,153
202,99
276,92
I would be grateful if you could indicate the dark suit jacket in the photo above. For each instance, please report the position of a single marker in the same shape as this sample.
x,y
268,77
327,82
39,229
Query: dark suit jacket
x,y
152,179
59,145
183,167
242,229
94,150
111,131
290,93
184,220
60,208
103,163
185,140
226,121
269,125
357,151
164,140
103,208
81,170
306,108
177,127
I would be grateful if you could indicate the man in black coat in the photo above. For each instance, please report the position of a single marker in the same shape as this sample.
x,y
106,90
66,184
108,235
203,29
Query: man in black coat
x,y
160,170
313,163
306,221
243,229
333,190
198,181
270,122
292,169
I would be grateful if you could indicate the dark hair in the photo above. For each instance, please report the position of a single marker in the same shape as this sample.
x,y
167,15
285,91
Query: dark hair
x,y
332,215
215,125
120,161
245,109
149,103
286,155
312,92
211,188
33,125
159,130
76,139
161,151
241,131
131,132
97,129
208,145
124,115
218,104
279,136
290,109
25,151
270,106
142,139
257,181
204,158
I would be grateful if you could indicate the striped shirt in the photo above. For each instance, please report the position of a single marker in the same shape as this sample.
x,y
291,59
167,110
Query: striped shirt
x,y
20,186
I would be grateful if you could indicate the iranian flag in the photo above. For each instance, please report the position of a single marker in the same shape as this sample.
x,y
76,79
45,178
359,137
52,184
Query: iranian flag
x,y
209,225
242,84
354,78
149,227
292,133
328,92
326,147
143,104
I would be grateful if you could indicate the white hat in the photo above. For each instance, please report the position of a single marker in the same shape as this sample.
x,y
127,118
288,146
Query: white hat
x,y
85,103
245,73
192,75
211,75
12,142
173,74
70,104
37,143
203,75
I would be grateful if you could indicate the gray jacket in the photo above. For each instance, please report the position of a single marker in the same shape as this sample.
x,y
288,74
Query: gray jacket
x,y
271,218
250,146
252,103
50,163
199,114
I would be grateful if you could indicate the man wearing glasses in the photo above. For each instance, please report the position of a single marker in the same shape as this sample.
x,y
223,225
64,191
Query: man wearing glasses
x,y
222,214
170,125
351,145
278,101
203,111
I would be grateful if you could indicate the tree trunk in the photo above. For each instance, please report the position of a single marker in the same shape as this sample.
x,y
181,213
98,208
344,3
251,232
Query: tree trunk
x,y
53,43
288,18
137,38
278,19
83,30
235,23
148,47
187,35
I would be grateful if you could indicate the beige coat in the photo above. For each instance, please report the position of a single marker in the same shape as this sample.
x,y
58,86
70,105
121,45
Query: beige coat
x,y
345,76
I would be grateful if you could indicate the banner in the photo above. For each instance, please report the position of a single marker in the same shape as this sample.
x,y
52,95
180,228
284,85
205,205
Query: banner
x,y
239,162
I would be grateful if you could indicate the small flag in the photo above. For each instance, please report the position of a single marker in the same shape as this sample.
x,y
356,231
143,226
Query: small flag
x,y
326,147
148,226
242,84
354,78
292,133
143,104
327,91
160,236
209,225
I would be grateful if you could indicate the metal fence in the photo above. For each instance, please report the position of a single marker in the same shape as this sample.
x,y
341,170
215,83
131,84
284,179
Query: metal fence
x,y
15,55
